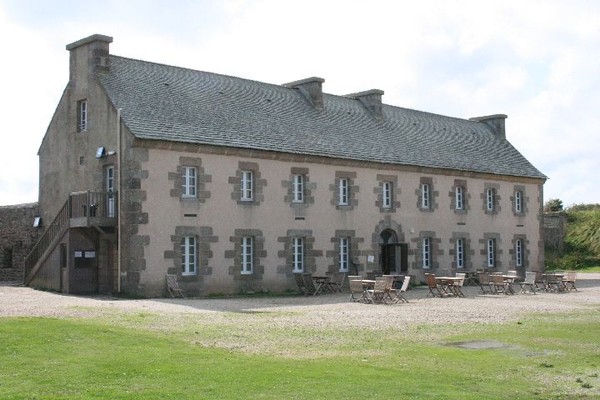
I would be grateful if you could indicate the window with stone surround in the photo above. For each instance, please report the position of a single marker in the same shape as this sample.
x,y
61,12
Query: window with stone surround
x,y
247,253
459,197
344,254
426,195
461,250
491,253
491,198
247,184
191,251
298,188
459,256
344,190
189,180
519,252
426,253
387,191
298,254
519,200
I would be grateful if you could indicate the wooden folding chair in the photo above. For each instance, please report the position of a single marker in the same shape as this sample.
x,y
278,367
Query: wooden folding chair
x,y
378,293
173,287
528,282
569,280
358,292
484,282
434,289
399,292
300,282
336,282
309,284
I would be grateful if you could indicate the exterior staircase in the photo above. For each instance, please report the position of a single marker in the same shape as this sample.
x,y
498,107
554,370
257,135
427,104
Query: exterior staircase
x,y
88,209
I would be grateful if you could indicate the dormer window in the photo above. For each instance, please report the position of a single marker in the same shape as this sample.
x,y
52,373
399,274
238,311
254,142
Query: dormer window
x,y
82,116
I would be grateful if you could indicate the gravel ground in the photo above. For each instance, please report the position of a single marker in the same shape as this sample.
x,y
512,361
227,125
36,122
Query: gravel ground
x,y
331,310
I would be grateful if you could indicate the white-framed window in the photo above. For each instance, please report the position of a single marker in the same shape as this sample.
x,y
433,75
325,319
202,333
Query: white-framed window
x,y
188,182
459,196
518,202
426,253
344,187
298,189
344,254
425,196
519,253
247,255
460,253
189,255
298,254
491,253
490,198
386,195
109,185
247,186
82,116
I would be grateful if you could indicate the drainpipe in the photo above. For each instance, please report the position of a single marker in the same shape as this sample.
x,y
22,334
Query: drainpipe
x,y
119,200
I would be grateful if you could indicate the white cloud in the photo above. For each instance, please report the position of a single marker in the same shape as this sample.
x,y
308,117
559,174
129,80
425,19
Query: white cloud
x,y
535,61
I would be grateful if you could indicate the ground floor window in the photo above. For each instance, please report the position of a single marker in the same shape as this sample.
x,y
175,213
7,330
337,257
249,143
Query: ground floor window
x,y
298,254
189,255
247,255
344,254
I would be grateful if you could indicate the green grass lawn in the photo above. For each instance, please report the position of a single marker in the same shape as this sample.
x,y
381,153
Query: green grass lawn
x,y
544,357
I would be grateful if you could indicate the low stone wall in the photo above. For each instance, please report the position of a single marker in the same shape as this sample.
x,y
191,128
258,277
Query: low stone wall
x,y
17,238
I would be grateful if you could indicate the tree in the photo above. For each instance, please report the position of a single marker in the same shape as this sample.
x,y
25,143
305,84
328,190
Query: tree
x,y
553,205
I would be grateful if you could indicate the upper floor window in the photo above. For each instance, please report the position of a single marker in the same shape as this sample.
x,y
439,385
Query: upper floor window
x,y
298,254
459,197
519,253
426,252
298,188
460,253
490,199
343,191
247,190
82,115
188,182
491,253
518,202
189,255
247,255
344,254
386,194
425,196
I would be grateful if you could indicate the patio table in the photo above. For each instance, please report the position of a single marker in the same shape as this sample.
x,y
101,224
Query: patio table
x,y
321,283
450,285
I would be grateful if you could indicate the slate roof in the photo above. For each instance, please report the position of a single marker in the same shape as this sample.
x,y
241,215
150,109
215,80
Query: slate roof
x,y
170,103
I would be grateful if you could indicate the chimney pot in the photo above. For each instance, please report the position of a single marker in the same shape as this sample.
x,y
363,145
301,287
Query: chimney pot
x,y
311,88
371,99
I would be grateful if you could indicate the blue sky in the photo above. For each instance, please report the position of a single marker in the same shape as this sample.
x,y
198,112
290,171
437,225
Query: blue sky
x,y
536,61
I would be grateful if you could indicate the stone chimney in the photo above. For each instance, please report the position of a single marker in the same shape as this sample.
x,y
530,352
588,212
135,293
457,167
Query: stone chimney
x,y
88,55
495,122
311,88
371,99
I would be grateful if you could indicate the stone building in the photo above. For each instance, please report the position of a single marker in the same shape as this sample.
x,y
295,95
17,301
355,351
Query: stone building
x,y
17,237
235,185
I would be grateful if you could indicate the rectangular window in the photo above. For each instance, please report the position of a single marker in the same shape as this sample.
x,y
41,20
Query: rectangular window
x,y
491,253
298,189
344,254
247,186
519,253
460,253
459,194
426,253
189,255
247,255
490,196
518,202
188,181
425,196
109,185
343,192
82,116
386,195
298,254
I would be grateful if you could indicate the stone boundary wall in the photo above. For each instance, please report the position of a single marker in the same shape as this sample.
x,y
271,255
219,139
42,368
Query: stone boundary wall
x,y
17,238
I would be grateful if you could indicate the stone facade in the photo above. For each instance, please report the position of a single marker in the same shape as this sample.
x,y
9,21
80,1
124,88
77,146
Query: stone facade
x,y
17,237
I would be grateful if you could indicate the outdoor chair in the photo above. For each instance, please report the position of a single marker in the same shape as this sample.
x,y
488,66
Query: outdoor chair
x,y
554,283
300,282
336,282
389,286
358,292
378,293
498,284
484,282
173,286
569,280
399,292
309,284
458,285
528,282
434,288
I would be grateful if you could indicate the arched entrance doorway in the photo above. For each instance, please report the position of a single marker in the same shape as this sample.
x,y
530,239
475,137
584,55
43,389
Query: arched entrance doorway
x,y
393,254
